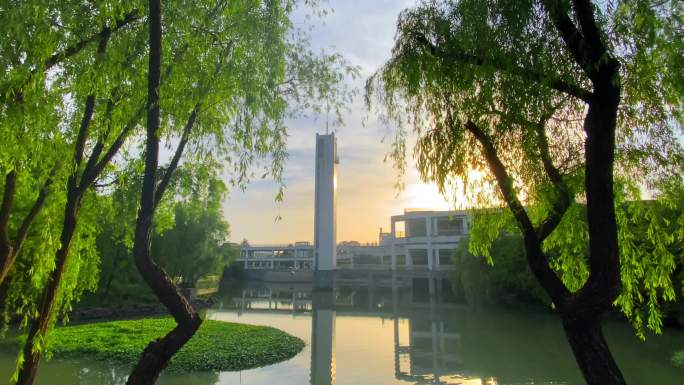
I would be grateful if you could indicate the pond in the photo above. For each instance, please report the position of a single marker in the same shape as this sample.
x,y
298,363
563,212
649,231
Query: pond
x,y
383,335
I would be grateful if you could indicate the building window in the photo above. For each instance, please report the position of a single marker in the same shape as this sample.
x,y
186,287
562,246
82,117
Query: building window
x,y
448,226
416,228
445,256
419,257
399,229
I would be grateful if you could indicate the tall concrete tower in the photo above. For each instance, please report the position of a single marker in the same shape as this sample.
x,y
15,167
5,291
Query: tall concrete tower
x,y
325,252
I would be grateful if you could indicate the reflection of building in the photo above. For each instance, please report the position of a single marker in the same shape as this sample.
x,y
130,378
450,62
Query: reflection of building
x,y
274,298
425,240
429,352
425,344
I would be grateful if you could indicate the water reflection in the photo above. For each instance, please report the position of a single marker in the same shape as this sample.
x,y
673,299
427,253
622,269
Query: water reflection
x,y
435,339
323,339
385,330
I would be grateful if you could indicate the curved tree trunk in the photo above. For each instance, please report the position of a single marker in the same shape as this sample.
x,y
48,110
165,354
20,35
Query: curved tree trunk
x,y
158,353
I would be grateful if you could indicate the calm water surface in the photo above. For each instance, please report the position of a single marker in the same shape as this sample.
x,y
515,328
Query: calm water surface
x,y
381,336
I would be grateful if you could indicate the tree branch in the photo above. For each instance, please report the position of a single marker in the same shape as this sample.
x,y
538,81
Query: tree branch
x,y
78,46
83,129
92,173
504,180
584,11
535,256
163,184
559,14
89,108
45,190
7,199
504,66
99,145
70,51
563,200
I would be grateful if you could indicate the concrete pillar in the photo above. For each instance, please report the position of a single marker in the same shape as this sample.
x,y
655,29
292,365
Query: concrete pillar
x,y
392,247
428,231
431,286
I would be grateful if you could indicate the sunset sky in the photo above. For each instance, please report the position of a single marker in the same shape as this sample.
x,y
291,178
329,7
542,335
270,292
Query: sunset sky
x,y
363,32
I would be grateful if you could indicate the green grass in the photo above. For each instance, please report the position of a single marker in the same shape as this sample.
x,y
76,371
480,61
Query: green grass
x,y
217,346
678,359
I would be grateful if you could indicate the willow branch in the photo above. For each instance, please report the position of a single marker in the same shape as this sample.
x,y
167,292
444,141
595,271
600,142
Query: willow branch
x,y
91,174
7,200
185,136
504,65
72,50
563,198
37,206
535,256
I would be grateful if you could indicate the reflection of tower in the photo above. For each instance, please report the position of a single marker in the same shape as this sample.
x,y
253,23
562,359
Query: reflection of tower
x,y
324,220
323,339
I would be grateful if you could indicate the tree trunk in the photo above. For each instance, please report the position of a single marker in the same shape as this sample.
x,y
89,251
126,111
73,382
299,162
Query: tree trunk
x,y
591,351
9,252
158,353
38,326
6,249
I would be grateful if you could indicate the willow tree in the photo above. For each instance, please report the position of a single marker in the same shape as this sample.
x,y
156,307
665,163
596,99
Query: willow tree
x,y
68,103
240,69
553,109
36,40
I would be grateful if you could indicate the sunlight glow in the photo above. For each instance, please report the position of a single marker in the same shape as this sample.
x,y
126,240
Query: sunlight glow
x,y
421,195
424,196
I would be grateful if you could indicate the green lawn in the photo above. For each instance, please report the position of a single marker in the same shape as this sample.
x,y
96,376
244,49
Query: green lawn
x,y
217,346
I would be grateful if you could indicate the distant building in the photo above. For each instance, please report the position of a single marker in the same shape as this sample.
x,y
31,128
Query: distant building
x,y
426,239
276,257
349,243
418,240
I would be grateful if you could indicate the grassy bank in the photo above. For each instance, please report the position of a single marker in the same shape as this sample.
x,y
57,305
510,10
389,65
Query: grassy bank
x,y
217,346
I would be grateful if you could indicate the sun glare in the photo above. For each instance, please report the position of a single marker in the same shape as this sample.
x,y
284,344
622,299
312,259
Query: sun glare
x,y
421,195
425,196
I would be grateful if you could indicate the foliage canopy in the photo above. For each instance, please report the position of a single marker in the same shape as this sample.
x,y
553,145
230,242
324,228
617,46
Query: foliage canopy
x,y
503,66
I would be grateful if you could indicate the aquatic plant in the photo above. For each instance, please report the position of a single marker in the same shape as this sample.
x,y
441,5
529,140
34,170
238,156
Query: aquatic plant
x,y
217,345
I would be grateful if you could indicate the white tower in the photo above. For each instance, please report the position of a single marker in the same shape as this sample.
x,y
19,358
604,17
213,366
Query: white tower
x,y
325,240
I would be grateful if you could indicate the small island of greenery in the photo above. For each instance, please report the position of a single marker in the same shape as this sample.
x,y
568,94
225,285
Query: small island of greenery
x,y
217,345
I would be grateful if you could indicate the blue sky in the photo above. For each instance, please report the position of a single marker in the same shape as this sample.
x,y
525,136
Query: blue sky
x,y
363,32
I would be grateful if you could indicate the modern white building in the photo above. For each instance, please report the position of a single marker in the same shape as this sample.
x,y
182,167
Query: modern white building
x,y
297,256
425,240
418,240
325,216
